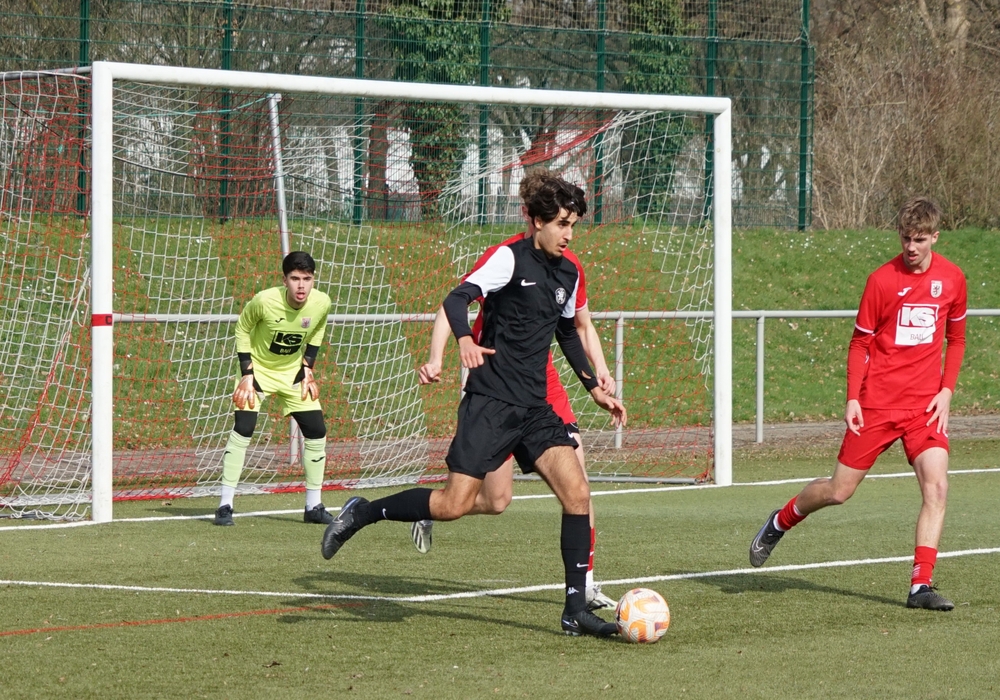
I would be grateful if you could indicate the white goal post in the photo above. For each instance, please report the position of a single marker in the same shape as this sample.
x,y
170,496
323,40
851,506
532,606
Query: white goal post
x,y
104,76
199,179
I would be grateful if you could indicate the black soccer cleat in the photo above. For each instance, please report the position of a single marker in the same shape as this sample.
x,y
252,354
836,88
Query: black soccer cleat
x,y
317,515
928,598
420,531
586,622
342,528
224,516
764,543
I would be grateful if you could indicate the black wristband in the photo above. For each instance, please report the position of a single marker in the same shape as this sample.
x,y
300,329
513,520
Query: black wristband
x,y
246,364
309,356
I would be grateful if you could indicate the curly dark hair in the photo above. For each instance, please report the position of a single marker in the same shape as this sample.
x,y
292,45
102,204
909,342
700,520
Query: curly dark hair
x,y
553,194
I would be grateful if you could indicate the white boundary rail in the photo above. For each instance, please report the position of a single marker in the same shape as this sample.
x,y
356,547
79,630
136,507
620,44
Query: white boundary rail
x,y
104,74
837,313
619,318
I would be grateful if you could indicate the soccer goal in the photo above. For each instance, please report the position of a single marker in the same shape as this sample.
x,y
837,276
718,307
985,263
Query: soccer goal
x,y
142,206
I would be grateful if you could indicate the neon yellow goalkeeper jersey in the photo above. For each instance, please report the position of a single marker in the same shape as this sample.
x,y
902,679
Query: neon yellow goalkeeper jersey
x,y
275,334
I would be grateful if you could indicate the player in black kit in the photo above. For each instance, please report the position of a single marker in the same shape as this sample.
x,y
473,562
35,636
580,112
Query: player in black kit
x,y
529,290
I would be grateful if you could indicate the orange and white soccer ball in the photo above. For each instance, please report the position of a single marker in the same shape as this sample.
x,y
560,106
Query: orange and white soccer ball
x,y
642,616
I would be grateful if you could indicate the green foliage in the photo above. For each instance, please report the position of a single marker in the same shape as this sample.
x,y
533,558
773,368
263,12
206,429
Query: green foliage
x,y
658,62
805,359
435,41
432,41
439,138
651,145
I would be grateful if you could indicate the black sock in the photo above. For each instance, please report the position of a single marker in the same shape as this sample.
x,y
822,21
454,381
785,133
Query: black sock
x,y
406,506
575,543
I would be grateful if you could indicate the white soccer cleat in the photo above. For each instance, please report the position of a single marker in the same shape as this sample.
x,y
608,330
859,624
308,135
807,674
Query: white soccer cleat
x,y
420,531
596,600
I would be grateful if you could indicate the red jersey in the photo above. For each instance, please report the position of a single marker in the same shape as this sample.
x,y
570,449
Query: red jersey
x,y
906,317
581,289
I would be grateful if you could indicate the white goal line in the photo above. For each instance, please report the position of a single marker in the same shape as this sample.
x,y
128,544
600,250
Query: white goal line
x,y
524,497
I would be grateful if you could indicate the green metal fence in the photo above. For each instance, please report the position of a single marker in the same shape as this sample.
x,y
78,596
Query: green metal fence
x,y
756,53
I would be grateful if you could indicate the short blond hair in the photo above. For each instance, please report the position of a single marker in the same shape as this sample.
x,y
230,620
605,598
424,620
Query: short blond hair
x,y
919,215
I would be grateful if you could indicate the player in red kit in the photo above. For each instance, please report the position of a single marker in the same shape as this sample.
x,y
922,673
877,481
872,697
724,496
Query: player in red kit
x,y
896,389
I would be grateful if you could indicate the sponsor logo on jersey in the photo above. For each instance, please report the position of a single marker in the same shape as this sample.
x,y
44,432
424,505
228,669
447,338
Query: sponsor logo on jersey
x,y
937,286
306,321
286,343
916,324
561,296
905,290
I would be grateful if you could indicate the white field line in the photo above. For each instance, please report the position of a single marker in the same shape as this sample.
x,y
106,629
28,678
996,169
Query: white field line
x,y
492,592
498,591
526,497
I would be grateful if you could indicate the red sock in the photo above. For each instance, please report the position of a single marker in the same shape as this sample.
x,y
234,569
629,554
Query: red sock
x,y
924,559
789,516
593,539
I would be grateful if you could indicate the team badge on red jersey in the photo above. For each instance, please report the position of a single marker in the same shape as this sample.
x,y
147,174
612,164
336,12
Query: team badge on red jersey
x,y
306,321
937,286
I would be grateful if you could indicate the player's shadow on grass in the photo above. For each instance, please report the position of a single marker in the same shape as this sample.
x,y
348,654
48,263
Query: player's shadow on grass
x,y
354,583
765,583
209,514
390,611
183,510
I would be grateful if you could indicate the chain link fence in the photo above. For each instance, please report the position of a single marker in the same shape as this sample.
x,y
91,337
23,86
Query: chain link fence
x,y
756,53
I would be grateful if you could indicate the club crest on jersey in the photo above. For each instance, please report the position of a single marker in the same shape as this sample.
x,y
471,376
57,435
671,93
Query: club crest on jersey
x,y
937,286
561,296
306,321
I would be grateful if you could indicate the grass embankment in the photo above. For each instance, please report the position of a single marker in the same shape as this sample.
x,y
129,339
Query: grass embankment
x,y
806,358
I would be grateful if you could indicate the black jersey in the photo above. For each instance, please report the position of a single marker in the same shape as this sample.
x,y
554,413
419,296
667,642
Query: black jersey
x,y
525,294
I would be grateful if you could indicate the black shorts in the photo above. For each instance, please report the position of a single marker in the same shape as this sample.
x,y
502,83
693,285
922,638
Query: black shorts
x,y
489,430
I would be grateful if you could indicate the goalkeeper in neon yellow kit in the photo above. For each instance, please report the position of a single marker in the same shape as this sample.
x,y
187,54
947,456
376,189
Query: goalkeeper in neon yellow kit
x,y
278,337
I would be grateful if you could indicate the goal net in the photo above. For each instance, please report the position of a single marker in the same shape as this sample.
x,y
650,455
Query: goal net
x,y
141,207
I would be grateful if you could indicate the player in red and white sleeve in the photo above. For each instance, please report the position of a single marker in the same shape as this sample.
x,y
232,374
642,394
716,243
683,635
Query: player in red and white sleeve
x,y
497,490
896,389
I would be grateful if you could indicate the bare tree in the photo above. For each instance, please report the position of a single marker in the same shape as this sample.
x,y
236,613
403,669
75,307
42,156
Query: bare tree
x,y
948,28
896,117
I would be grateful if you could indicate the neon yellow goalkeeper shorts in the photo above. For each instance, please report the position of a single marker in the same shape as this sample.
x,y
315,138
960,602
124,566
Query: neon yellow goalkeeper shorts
x,y
279,384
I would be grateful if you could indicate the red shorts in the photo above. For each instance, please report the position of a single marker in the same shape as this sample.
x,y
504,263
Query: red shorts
x,y
557,397
882,428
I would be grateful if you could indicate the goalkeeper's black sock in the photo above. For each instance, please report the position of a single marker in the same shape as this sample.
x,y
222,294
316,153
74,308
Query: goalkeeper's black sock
x,y
406,506
575,543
